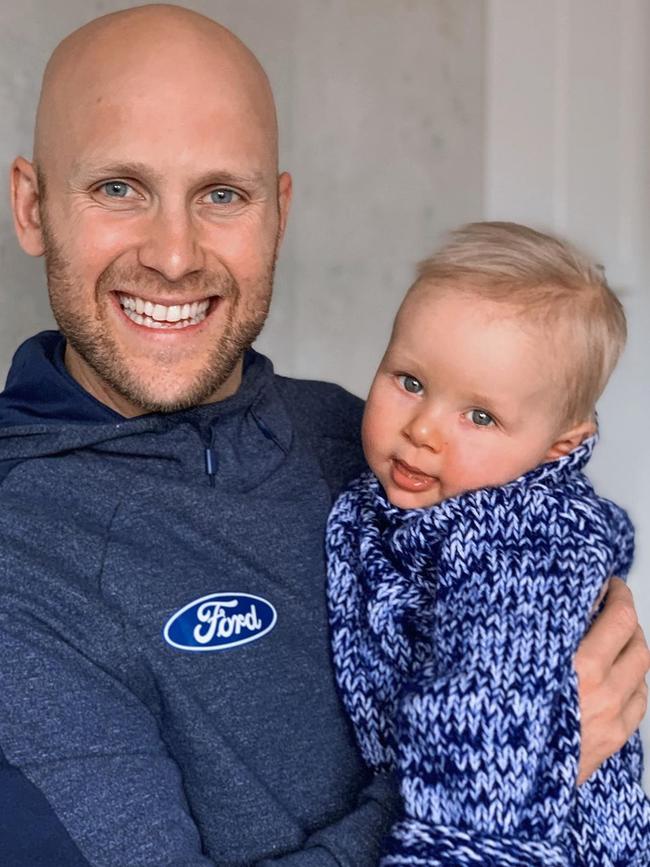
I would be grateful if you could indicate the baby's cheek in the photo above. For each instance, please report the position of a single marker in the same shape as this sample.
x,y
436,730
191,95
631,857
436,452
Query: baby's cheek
x,y
498,466
376,424
471,466
371,439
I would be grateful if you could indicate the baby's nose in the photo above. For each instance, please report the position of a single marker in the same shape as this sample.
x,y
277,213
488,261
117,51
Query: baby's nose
x,y
423,431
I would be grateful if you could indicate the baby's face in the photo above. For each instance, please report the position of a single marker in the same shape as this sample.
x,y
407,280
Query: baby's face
x,y
466,397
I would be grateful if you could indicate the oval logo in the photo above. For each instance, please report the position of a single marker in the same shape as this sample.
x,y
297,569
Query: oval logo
x,y
220,621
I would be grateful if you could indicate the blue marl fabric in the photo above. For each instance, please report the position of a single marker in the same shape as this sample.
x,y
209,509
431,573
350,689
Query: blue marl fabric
x,y
454,630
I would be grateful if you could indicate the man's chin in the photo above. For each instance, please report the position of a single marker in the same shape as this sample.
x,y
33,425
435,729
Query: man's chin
x,y
142,401
153,392
134,381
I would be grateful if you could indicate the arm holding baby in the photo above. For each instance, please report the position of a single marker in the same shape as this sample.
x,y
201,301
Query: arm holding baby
x,y
612,662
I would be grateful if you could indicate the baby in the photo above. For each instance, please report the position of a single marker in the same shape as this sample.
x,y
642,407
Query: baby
x,y
464,572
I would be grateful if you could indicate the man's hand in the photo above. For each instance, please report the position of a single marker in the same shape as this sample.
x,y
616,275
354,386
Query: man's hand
x,y
612,662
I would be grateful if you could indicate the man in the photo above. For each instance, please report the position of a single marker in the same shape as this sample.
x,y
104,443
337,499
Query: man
x,y
167,697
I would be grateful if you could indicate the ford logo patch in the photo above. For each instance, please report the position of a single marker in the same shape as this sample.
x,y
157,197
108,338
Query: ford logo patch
x,y
219,621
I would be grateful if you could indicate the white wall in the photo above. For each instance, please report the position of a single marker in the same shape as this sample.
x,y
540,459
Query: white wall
x,y
567,135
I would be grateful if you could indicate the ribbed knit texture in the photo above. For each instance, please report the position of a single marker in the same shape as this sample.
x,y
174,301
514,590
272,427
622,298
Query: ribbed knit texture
x,y
454,630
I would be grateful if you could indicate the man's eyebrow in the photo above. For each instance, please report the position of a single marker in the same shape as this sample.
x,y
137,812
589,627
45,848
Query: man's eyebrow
x,y
223,176
89,173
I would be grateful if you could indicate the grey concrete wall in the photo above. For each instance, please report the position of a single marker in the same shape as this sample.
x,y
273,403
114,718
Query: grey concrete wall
x,y
380,105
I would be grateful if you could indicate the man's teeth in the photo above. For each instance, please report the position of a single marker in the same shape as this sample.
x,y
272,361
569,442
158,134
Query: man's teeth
x,y
159,315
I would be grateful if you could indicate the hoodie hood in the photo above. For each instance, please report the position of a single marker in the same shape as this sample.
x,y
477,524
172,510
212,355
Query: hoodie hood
x,y
45,412
39,388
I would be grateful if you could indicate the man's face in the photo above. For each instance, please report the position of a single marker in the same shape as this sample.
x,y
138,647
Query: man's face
x,y
161,222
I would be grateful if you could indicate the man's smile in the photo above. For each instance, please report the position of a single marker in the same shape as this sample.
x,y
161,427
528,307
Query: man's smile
x,y
164,316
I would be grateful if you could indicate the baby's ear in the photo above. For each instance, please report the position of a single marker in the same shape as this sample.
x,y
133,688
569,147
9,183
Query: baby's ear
x,y
570,440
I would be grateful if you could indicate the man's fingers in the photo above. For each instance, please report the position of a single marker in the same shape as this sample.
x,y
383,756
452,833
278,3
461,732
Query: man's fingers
x,y
635,710
632,665
611,663
609,634
601,596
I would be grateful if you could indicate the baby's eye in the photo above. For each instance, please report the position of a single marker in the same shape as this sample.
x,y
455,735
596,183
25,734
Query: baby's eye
x,y
480,418
410,383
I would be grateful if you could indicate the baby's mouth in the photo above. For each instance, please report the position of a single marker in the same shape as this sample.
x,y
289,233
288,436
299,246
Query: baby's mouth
x,y
169,316
409,478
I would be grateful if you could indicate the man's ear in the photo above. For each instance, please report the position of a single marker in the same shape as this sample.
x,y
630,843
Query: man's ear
x,y
285,189
25,198
570,440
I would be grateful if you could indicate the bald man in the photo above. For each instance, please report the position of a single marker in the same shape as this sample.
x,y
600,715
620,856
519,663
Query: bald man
x,y
166,696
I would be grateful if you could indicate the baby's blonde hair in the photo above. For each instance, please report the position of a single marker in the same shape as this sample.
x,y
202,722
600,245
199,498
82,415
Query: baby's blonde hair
x,y
548,280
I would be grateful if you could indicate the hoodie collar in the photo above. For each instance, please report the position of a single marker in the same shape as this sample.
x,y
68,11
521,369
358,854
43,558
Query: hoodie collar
x,y
40,389
43,410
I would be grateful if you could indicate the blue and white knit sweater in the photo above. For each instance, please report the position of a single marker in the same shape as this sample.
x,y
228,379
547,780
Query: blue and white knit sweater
x,y
454,630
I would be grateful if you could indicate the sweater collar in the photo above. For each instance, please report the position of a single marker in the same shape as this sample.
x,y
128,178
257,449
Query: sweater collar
x,y
443,514
411,536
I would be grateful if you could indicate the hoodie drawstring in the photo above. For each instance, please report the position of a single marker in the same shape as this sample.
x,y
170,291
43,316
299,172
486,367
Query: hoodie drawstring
x,y
211,464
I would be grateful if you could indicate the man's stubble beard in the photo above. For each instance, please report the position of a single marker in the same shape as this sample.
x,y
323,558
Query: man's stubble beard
x,y
90,336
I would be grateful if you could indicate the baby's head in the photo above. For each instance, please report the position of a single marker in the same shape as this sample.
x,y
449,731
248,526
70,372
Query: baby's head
x,y
498,354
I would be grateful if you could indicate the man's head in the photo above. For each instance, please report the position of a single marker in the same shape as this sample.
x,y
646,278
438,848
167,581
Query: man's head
x,y
155,197
498,354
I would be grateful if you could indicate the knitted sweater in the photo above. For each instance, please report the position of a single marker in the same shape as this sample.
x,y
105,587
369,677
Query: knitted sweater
x,y
454,630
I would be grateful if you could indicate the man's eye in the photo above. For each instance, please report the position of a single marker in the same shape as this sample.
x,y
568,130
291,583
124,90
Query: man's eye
x,y
116,189
410,384
224,196
480,418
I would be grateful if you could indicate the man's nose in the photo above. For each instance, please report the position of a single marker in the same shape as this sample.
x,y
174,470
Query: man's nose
x,y
424,429
171,246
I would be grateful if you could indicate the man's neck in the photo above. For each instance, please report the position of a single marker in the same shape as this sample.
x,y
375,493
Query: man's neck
x,y
102,391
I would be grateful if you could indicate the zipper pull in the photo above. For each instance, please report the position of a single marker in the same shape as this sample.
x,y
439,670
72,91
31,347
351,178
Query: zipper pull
x,y
211,463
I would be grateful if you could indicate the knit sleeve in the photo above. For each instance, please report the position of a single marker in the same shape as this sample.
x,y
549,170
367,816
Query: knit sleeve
x,y
489,732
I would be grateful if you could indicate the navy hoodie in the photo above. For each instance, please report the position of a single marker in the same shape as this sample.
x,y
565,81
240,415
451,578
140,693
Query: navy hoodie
x,y
166,693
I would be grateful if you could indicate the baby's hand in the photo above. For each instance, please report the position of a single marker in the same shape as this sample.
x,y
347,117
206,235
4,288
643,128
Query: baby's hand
x,y
612,662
